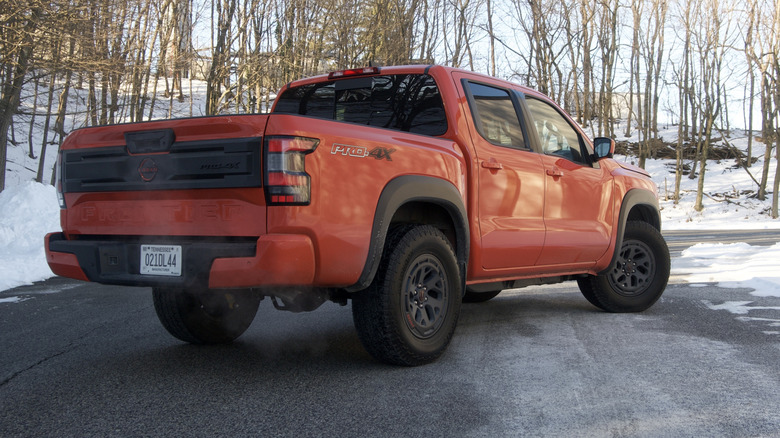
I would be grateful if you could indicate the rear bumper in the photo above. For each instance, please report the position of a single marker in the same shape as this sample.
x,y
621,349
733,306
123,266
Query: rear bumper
x,y
272,260
63,263
279,260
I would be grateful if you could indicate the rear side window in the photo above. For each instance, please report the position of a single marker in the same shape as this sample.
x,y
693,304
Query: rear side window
x,y
410,103
495,116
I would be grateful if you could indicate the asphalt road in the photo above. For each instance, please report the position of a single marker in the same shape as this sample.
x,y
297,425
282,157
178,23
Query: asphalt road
x,y
80,359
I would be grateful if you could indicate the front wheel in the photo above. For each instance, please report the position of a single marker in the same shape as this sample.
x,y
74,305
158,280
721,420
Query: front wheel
x,y
637,278
408,314
205,317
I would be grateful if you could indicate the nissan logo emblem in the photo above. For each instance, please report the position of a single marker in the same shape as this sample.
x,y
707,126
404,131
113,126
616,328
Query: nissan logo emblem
x,y
147,169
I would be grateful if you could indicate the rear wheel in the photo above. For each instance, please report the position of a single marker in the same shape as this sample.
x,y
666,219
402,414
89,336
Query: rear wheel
x,y
638,277
205,317
408,314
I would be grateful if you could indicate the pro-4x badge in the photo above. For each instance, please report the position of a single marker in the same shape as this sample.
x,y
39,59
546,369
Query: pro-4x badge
x,y
381,153
378,153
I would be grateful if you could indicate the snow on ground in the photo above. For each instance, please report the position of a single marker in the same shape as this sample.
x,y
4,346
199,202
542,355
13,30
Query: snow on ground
x,y
735,265
27,212
726,207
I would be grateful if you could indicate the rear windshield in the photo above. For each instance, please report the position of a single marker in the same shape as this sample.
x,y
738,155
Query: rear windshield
x,y
410,103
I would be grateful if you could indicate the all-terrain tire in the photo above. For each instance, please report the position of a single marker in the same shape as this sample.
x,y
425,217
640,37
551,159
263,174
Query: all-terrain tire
x,y
205,317
639,274
408,314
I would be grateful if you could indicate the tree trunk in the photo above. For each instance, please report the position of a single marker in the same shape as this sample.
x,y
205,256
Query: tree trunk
x,y
776,185
30,151
699,206
768,131
59,123
45,140
9,103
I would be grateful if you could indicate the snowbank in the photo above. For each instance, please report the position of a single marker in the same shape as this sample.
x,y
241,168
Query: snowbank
x,y
27,212
736,265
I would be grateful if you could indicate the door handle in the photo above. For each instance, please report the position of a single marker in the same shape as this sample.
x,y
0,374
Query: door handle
x,y
492,164
555,172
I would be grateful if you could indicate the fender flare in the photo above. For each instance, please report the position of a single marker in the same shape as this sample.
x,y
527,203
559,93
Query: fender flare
x,y
634,198
415,188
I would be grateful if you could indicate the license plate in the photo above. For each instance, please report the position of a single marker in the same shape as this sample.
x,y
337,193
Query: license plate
x,y
161,260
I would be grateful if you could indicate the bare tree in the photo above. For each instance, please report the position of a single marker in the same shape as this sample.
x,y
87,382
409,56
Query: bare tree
x,y
608,43
766,36
349,24
709,41
682,77
646,57
220,67
16,46
492,38
460,32
770,72
544,48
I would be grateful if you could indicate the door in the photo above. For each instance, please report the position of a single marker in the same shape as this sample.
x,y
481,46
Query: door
x,y
511,180
578,194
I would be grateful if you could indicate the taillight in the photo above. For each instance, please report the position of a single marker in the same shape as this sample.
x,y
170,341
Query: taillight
x,y
58,175
286,181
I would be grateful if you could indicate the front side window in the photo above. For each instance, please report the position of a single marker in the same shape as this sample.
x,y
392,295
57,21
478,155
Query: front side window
x,y
495,116
556,135
410,103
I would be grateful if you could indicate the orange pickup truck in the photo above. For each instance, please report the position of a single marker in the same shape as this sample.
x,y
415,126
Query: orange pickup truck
x,y
406,190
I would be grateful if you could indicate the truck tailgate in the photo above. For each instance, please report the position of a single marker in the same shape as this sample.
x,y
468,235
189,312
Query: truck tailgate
x,y
186,177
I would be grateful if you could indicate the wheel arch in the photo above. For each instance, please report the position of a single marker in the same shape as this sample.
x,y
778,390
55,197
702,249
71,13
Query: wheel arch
x,y
417,199
638,205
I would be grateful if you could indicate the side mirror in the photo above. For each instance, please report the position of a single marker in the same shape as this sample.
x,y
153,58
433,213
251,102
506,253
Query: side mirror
x,y
603,147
